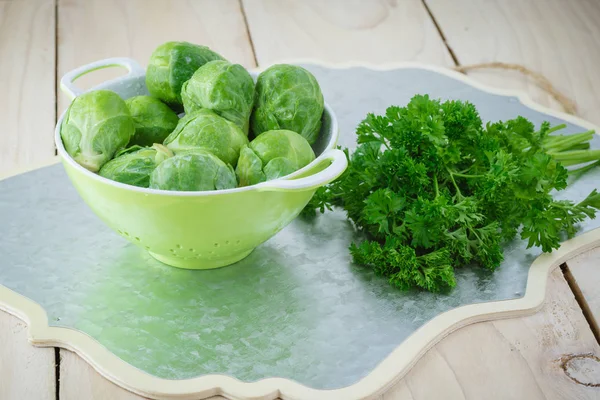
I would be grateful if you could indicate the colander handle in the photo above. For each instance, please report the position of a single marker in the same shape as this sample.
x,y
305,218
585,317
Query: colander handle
x,y
338,165
67,85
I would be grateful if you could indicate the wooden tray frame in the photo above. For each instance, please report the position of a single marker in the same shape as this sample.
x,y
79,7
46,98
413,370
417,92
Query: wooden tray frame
x,y
380,379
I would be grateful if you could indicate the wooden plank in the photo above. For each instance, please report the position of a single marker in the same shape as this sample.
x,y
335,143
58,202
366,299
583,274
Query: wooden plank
x,y
27,105
517,358
585,273
26,372
339,31
79,381
400,391
85,383
558,38
419,383
133,29
90,30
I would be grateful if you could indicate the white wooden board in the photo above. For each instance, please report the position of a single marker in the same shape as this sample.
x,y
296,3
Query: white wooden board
x,y
340,31
27,105
558,38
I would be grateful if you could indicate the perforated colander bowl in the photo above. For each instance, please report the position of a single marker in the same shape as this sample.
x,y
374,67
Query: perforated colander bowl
x,y
197,230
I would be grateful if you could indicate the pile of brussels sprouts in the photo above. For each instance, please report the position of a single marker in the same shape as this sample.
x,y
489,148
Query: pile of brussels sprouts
x,y
142,141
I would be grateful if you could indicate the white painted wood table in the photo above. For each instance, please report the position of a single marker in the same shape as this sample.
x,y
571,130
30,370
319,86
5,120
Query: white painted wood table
x,y
552,354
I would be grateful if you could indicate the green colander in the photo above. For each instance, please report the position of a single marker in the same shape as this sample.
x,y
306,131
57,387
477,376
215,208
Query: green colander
x,y
197,230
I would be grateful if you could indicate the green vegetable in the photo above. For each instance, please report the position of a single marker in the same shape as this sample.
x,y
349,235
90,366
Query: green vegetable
x,y
96,125
288,97
434,190
271,155
153,119
193,170
173,63
225,88
205,129
134,165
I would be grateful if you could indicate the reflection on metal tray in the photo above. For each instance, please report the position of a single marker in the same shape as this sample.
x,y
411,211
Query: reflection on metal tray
x,y
296,308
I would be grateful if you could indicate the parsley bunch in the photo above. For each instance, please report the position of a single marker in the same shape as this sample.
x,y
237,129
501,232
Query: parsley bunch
x,y
435,189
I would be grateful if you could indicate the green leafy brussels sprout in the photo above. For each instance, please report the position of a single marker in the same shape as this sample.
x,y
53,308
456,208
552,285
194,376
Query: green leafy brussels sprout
x,y
96,125
193,170
288,97
153,120
205,129
225,88
271,155
173,63
134,165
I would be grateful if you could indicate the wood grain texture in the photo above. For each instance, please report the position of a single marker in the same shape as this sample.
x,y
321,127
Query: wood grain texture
x,y
80,381
584,369
517,358
90,30
585,271
27,107
376,31
558,38
26,372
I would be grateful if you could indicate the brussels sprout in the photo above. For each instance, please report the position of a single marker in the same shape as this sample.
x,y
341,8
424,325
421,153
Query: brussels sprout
x,y
227,89
288,97
205,129
271,155
173,63
96,125
153,120
193,170
134,165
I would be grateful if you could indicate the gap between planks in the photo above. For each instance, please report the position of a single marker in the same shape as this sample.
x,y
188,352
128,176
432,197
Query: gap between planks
x,y
581,301
56,84
57,357
441,33
248,33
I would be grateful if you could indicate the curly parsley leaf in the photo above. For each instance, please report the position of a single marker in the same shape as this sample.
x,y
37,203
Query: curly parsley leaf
x,y
435,189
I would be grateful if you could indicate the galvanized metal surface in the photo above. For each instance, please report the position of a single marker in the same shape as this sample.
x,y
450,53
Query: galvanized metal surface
x,y
296,308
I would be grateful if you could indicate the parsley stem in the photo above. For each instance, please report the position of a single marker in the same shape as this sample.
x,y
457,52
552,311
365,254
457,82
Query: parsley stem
x,y
574,157
474,233
579,146
467,170
581,170
581,135
560,143
458,193
384,142
556,128
453,174
435,185
466,175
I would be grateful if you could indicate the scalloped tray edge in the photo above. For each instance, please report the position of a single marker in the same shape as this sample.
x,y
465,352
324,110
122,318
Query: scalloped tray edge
x,y
385,375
